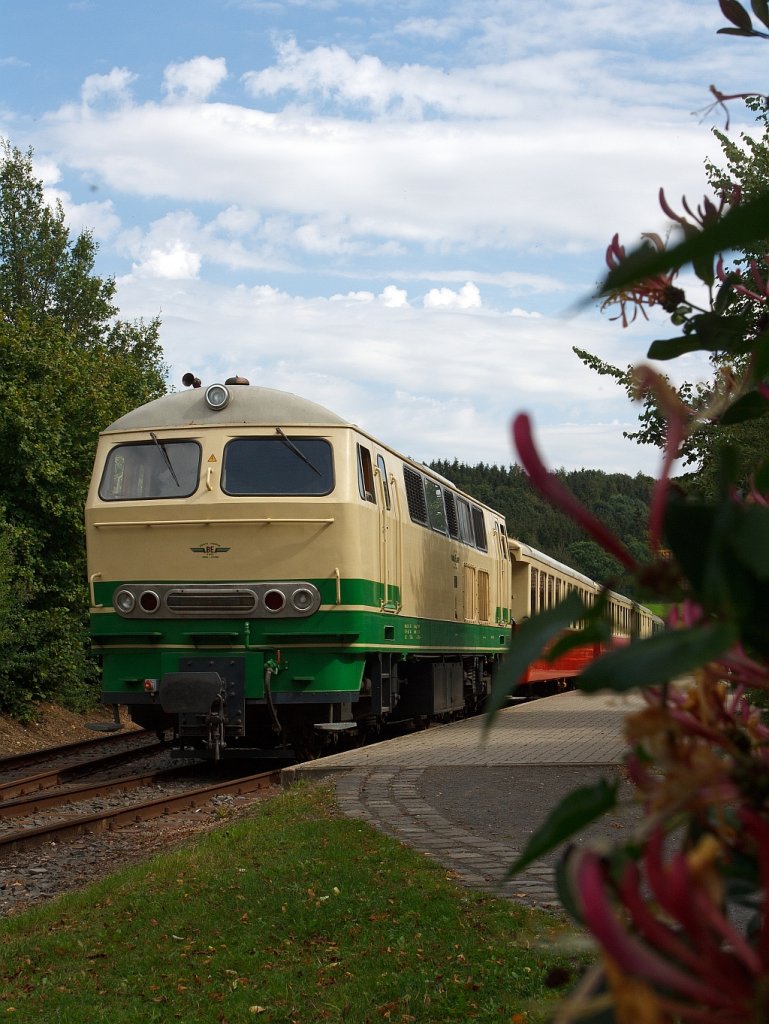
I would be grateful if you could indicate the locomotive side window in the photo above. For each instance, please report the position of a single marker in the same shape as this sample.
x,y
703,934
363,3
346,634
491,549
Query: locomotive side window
x,y
365,475
435,508
503,541
480,529
451,514
147,470
415,496
466,532
380,462
278,465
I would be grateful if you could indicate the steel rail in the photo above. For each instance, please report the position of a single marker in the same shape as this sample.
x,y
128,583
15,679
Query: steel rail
x,y
69,794
13,761
60,776
145,811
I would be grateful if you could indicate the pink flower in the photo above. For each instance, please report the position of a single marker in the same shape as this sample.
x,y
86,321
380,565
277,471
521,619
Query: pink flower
x,y
653,291
673,970
707,213
760,291
677,416
550,487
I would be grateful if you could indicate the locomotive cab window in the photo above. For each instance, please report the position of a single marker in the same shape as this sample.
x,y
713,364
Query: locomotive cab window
x,y
365,475
277,465
148,470
380,462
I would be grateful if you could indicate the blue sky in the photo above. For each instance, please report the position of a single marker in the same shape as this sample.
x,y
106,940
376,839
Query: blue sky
x,y
385,207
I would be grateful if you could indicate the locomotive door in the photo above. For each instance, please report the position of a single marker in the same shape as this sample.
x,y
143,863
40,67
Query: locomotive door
x,y
390,554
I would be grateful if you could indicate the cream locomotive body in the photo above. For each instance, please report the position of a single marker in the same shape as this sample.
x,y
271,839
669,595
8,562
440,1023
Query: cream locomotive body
x,y
260,569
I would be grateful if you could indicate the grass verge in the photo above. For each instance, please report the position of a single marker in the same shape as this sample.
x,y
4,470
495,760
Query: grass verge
x,y
294,915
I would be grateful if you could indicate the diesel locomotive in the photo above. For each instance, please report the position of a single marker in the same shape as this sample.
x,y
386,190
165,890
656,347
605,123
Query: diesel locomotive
x,y
263,572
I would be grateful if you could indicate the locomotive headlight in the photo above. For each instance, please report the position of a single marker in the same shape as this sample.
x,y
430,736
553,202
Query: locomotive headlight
x,y
274,601
217,396
149,601
302,599
124,602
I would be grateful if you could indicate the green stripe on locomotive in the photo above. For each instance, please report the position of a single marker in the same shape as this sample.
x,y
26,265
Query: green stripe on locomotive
x,y
351,591
324,653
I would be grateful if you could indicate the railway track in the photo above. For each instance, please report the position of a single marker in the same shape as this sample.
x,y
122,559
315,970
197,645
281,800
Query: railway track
x,y
115,818
57,803
81,752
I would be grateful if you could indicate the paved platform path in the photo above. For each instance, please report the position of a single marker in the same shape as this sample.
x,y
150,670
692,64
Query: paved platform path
x,y
470,797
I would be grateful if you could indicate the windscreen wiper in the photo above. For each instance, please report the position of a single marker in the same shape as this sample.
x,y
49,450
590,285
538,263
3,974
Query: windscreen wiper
x,y
290,444
166,459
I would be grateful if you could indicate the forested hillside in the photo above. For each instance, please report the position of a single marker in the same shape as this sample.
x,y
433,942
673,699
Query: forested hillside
x,y
618,500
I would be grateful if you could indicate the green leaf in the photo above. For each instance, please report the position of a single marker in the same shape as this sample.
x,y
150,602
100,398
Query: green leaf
x,y
760,368
735,230
659,659
573,813
748,407
736,13
750,541
531,638
761,478
671,348
725,293
595,632
761,10
709,333
741,32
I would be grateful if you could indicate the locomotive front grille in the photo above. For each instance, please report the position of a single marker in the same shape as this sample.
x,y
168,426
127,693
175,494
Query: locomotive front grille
x,y
201,602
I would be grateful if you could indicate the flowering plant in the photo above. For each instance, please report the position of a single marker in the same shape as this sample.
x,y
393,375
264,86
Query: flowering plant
x,y
681,911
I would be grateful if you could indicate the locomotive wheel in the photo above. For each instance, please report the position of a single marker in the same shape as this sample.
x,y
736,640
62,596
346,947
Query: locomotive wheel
x,y
307,744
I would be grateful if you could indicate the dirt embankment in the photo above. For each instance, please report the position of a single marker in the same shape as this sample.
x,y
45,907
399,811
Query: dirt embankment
x,y
52,726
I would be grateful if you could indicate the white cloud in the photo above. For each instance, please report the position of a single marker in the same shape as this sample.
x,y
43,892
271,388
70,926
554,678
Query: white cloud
x,y
394,297
344,187
468,297
99,218
353,297
174,263
389,229
194,80
332,72
115,86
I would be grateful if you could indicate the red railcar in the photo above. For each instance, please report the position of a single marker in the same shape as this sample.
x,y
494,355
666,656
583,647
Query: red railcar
x,y
540,582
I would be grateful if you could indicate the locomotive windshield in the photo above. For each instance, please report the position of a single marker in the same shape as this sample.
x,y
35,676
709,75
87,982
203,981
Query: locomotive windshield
x,y
144,470
270,466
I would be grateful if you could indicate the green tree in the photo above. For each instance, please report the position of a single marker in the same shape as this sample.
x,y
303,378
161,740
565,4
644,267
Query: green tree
x,y
68,367
622,500
744,175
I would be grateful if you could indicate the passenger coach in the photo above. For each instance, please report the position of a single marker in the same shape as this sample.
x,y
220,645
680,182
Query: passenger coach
x,y
539,582
263,571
